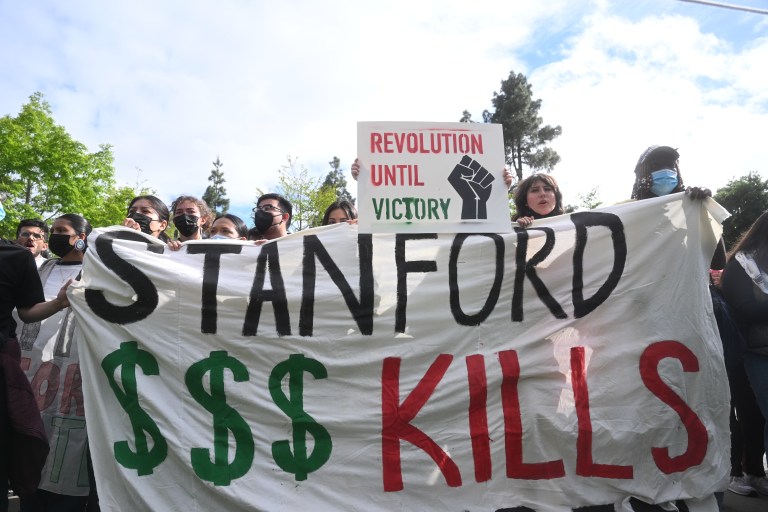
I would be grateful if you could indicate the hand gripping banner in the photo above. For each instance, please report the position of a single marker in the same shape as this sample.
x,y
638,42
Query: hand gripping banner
x,y
572,364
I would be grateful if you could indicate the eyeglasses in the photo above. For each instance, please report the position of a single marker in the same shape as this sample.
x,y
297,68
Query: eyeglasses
x,y
268,208
33,236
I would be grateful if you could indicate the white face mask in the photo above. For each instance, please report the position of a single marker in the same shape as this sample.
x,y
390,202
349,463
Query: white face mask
x,y
664,181
219,237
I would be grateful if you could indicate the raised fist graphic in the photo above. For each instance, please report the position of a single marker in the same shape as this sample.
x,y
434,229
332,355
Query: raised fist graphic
x,y
473,184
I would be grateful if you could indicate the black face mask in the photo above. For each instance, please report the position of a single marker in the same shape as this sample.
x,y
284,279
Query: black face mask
x,y
186,224
143,221
263,221
59,244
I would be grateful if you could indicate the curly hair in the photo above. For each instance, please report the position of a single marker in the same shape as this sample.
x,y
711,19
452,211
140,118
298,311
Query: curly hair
x,y
653,159
205,210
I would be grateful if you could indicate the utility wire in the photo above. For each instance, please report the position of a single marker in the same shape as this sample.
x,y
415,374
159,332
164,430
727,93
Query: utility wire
x,y
727,6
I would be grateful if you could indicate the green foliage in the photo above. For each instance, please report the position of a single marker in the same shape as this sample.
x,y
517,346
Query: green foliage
x,y
590,200
746,198
46,173
304,192
525,138
325,196
113,208
215,194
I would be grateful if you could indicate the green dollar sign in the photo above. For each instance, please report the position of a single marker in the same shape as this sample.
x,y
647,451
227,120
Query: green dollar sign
x,y
297,462
225,419
144,459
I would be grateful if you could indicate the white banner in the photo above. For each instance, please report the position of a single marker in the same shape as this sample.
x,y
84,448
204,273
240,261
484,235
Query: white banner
x,y
573,363
431,178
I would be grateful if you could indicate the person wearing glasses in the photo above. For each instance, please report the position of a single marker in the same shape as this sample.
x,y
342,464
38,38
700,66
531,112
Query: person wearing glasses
x,y
33,234
272,216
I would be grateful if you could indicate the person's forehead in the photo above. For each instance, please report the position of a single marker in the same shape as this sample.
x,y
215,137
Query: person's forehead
x,y
224,223
187,205
539,183
142,203
272,201
338,212
31,229
62,224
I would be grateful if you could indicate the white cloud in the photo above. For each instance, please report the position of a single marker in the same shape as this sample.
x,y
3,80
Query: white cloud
x,y
174,84
623,85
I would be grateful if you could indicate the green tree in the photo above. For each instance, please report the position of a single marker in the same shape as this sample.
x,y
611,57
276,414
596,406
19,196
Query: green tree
x,y
336,182
590,200
114,207
45,172
215,194
746,198
525,139
304,191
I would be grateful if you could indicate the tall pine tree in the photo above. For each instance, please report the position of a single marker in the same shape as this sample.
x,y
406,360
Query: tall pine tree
x,y
525,139
215,194
336,182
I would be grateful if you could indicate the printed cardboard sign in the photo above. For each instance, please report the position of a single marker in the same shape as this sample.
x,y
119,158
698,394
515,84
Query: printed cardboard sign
x,y
431,178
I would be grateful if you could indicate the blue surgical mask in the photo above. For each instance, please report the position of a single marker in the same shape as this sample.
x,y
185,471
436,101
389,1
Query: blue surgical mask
x,y
664,181
219,237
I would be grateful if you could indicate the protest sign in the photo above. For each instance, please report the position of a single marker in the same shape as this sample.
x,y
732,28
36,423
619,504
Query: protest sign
x,y
49,357
574,363
431,178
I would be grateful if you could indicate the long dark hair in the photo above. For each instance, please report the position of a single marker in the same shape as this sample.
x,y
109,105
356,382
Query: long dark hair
x,y
653,159
342,204
521,196
78,223
754,241
157,205
240,227
161,209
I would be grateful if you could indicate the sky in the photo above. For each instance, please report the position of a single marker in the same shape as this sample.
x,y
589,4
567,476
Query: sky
x,y
171,85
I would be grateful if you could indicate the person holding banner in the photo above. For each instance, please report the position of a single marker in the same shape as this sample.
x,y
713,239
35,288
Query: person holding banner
x,y
340,211
657,173
49,349
228,226
272,215
149,215
537,197
192,218
745,287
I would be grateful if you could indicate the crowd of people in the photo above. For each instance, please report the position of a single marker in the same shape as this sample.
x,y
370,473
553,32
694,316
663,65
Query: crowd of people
x,y
35,320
